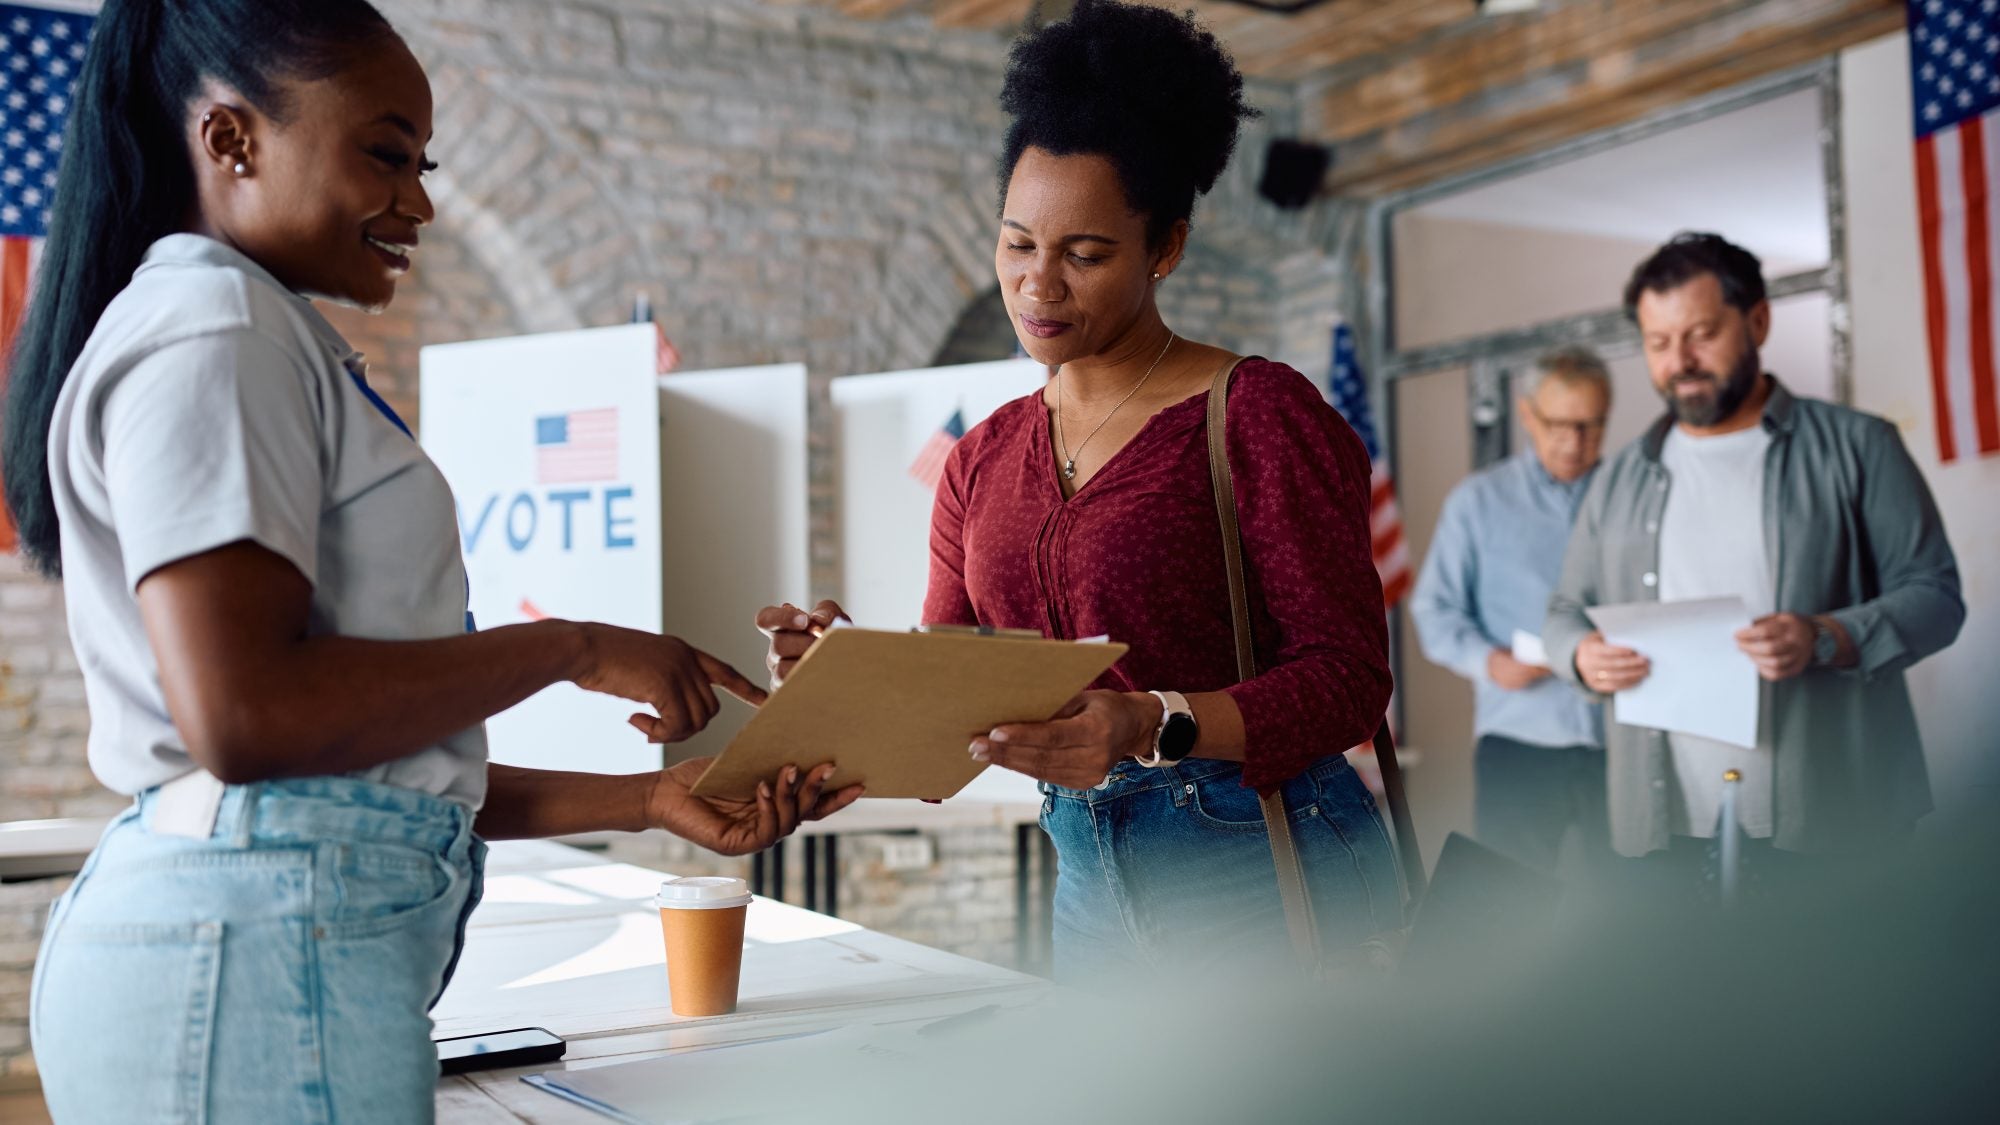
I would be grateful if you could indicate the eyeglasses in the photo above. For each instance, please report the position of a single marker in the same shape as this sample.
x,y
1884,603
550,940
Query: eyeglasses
x,y
1580,429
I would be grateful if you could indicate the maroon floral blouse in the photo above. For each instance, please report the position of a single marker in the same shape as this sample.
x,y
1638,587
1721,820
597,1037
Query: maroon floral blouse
x,y
1136,555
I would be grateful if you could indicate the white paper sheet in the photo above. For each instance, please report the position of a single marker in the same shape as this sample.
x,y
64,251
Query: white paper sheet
x,y
1528,649
1701,683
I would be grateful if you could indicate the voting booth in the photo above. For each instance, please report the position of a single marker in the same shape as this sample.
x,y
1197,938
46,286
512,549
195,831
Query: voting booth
x,y
590,487
882,424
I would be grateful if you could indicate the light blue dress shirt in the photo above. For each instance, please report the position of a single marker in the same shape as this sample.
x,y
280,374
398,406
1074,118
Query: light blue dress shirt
x,y
1493,563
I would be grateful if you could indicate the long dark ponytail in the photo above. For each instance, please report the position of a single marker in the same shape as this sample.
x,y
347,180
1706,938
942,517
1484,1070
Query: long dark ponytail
x,y
127,180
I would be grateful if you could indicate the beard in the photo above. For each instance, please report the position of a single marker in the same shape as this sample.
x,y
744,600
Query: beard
x,y
1721,397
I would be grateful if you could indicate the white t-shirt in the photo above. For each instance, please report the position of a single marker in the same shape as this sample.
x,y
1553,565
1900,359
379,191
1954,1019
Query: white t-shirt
x,y
210,406
1712,546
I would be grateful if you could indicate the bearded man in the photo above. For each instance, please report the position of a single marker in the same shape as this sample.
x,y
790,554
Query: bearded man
x,y
1816,517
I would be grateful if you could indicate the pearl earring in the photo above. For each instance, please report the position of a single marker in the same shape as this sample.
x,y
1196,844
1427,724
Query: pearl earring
x,y
1156,277
242,169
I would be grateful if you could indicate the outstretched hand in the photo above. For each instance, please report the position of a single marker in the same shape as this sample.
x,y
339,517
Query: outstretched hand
x,y
675,678
741,826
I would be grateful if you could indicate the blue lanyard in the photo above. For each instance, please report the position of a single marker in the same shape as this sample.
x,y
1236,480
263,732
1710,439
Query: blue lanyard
x,y
389,412
379,403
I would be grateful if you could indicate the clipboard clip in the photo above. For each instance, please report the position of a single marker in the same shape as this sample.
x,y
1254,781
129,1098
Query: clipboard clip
x,y
980,631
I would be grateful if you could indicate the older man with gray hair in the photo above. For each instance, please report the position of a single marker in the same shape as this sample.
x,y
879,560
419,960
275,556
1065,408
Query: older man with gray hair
x,y
1493,562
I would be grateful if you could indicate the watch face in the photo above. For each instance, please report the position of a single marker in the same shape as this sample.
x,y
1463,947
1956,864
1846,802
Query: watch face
x,y
1177,737
1825,646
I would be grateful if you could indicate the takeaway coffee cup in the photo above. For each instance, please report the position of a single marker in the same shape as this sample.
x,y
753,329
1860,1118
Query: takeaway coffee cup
x,y
702,920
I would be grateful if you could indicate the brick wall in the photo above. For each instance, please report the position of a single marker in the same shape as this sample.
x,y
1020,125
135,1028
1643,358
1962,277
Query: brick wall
x,y
785,185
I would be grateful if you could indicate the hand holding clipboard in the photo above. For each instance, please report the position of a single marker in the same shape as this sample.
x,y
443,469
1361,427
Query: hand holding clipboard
x,y
896,710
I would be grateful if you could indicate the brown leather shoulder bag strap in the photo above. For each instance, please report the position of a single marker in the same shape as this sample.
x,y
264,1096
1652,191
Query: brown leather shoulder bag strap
x,y
1299,921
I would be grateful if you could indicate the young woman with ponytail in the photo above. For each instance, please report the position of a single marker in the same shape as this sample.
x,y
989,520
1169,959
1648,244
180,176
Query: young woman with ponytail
x,y
266,594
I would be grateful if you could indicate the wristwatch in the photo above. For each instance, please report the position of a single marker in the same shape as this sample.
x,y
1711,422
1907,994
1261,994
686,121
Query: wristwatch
x,y
1826,646
1177,732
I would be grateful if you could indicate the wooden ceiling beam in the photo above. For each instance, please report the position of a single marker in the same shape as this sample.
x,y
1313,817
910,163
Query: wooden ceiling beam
x,y
1470,66
1729,55
980,13
1327,37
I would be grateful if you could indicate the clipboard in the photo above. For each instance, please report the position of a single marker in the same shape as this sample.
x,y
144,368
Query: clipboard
x,y
897,710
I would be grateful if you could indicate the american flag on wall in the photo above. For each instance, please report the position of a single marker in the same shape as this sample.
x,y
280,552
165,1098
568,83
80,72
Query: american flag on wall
x,y
1955,72
40,54
928,468
1348,390
581,445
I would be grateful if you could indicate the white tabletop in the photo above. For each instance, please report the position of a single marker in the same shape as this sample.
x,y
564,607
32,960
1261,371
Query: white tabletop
x,y
32,849
568,941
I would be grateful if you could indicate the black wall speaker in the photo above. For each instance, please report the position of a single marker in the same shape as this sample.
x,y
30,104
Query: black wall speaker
x,y
1293,171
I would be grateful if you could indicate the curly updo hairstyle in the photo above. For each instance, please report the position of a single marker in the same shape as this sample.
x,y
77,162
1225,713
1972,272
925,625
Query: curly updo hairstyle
x,y
1149,90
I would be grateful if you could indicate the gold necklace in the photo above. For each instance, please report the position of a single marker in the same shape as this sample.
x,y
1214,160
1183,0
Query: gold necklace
x,y
1069,459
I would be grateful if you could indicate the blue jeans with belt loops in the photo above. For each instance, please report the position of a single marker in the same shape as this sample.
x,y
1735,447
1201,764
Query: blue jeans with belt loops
x,y
1171,869
281,970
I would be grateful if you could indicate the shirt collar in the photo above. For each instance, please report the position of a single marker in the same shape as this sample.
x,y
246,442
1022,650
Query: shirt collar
x,y
1777,419
200,250
1540,475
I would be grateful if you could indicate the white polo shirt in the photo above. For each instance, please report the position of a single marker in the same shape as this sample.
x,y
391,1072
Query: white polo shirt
x,y
211,405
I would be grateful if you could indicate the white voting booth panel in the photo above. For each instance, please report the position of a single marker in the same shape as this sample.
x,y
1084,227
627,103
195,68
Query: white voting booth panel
x,y
734,503
882,423
591,488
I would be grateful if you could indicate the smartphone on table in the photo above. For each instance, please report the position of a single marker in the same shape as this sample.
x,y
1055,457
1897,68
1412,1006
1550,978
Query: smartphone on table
x,y
494,1050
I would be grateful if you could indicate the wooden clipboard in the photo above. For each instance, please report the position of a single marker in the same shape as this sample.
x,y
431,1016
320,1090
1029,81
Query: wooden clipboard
x,y
897,710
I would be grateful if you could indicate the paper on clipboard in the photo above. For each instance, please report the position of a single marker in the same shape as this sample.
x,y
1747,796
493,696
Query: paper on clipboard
x,y
897,710
1700,683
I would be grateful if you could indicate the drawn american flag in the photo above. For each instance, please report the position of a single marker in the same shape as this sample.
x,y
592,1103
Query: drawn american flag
x,y
40,54
928,468
1349,393
1955,72
575,447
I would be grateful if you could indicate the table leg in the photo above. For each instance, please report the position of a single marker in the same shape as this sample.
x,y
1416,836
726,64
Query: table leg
x,y
811,844
1023,954
757,874
778,871
830,899
1048,890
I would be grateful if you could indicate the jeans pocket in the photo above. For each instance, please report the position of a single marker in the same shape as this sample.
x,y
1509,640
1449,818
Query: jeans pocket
x,y
1222,802
379,887
126,1020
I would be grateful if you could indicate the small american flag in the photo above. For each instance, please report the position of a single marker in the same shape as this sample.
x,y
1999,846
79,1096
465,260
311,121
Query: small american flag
x,y
579,446
928,468
40,54
1349,393
1955,70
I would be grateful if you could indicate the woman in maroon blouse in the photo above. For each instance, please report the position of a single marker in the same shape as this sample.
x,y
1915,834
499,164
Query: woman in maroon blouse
x,y
1086,510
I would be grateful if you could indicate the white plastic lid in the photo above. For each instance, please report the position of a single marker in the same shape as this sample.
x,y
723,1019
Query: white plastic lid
x,y
703,892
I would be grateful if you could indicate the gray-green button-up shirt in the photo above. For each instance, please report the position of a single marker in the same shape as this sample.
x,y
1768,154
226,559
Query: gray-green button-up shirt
x,y
1852,532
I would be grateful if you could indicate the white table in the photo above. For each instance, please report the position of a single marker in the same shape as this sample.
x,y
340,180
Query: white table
x,y
569,941
990,802
39,849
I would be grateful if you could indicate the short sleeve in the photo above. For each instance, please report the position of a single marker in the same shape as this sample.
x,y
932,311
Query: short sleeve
x,y
212,441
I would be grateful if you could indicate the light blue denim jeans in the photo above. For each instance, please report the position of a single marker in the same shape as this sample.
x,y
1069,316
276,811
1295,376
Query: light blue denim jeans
x,y
1171,869
281,970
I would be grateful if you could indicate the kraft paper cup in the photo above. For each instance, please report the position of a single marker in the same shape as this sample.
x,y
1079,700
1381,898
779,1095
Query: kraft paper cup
x,y
701,918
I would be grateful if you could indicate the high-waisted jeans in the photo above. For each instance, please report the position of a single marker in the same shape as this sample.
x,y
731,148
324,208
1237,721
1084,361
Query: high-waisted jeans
x,y
281,970
1171,868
